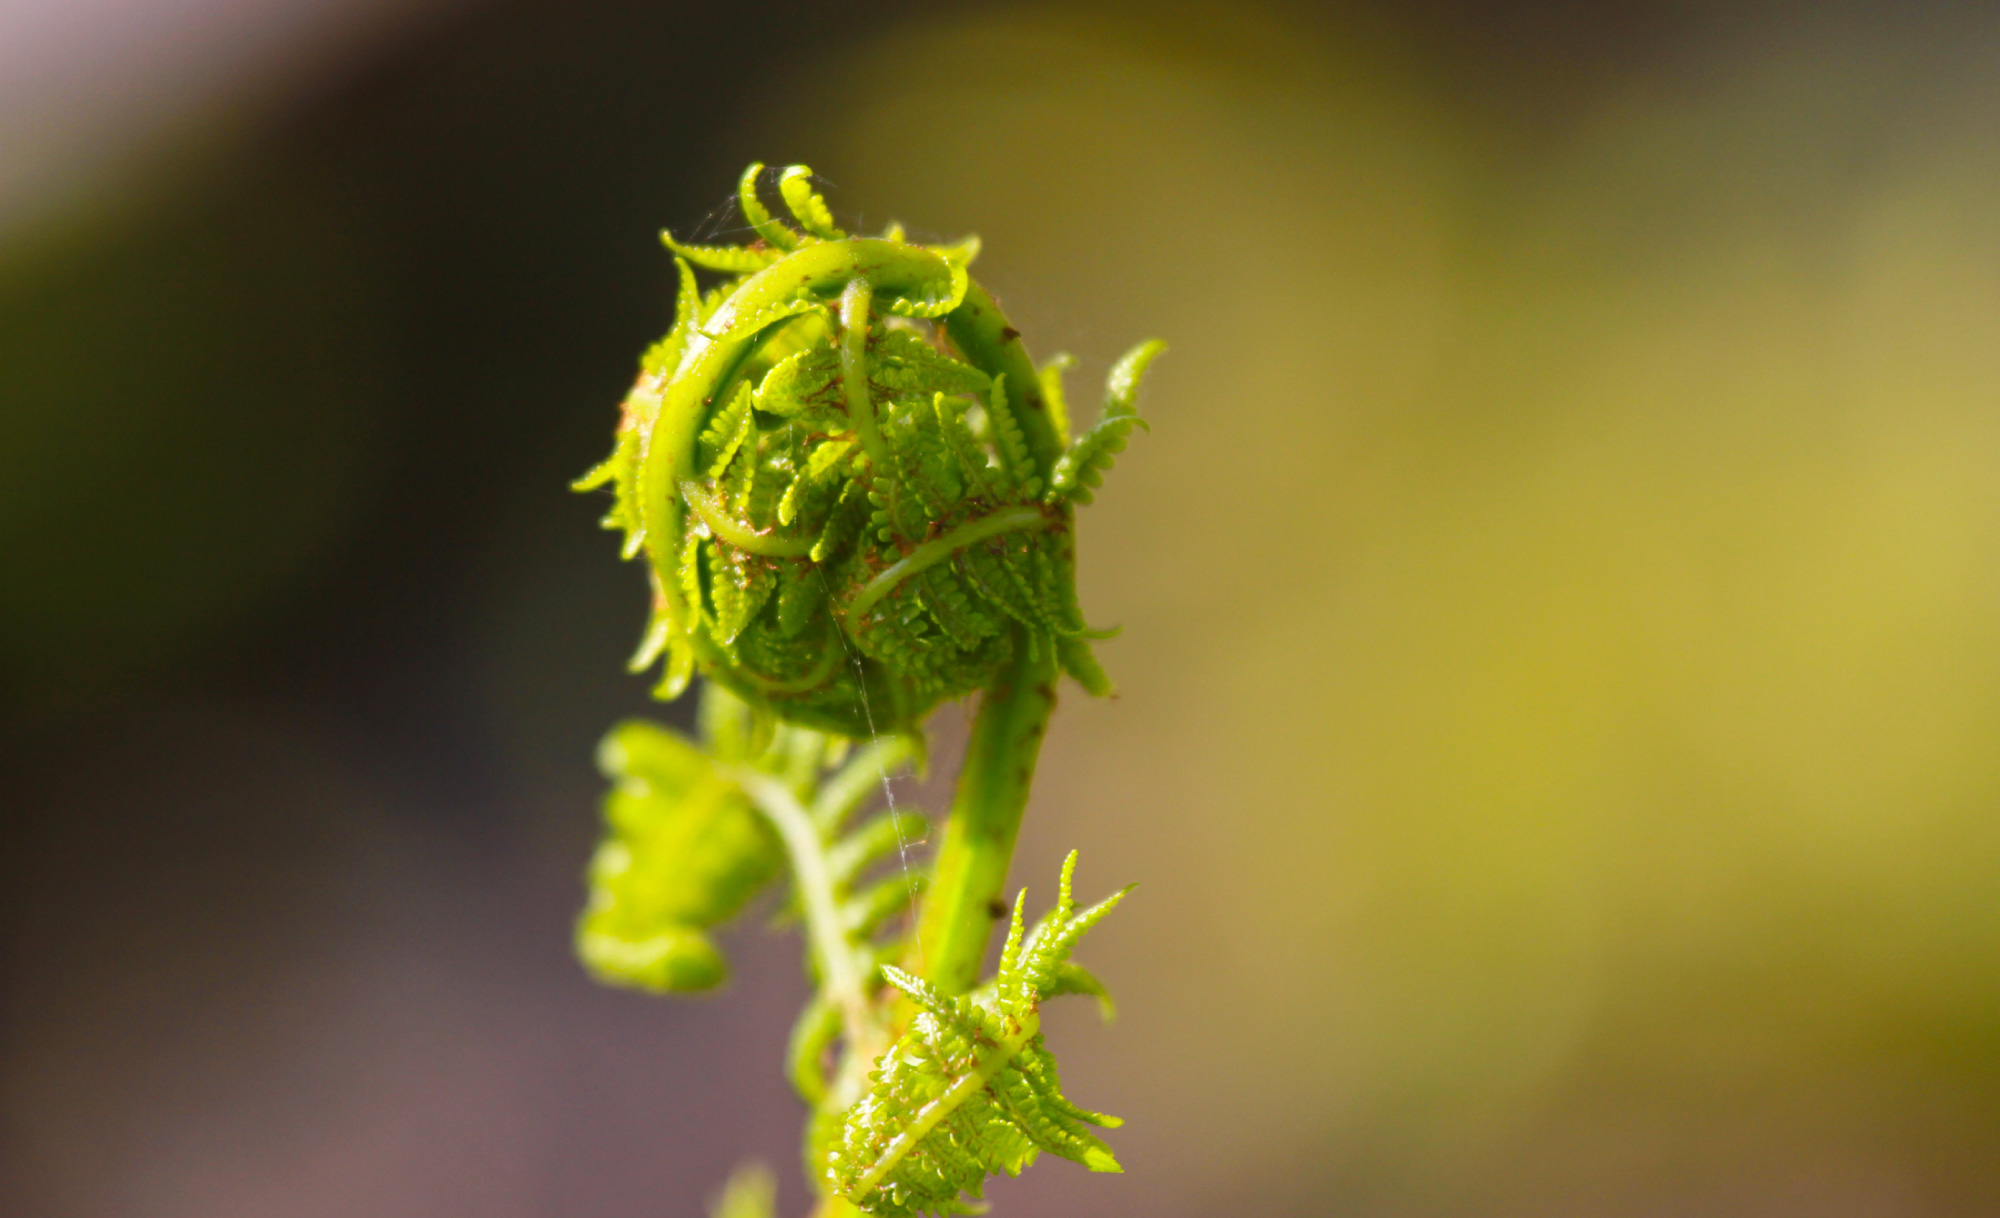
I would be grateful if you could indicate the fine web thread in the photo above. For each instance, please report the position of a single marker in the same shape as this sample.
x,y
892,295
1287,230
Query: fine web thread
x,y
888,791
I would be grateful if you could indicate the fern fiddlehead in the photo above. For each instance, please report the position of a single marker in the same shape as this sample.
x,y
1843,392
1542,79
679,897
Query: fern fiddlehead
x,y
854,494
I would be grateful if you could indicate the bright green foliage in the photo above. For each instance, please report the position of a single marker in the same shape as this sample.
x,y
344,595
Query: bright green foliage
x,y
845,515
1081,469
685,851
687,845
855,496
969,1090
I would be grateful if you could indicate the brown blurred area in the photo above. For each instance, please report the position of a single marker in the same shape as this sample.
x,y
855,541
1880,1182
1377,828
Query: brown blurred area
x,y
1561,594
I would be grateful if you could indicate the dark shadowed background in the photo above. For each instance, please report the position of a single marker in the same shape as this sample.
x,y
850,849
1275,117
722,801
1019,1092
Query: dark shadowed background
x,y
1560,733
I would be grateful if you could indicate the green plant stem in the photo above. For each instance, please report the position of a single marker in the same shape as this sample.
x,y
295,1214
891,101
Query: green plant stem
x,y
854,305
983,335
841,972
964,901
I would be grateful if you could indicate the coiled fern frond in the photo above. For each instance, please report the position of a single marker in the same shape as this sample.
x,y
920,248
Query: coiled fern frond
x,y
852,487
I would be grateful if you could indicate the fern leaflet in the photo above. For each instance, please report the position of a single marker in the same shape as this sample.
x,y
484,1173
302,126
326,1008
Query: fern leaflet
x,y
1081,469
970,1090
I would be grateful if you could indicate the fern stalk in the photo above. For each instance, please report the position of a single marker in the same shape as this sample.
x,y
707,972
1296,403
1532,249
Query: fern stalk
x,y
962,907
842,973
957,917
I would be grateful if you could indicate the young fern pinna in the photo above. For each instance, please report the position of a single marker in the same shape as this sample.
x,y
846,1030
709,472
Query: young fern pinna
x,y
855,496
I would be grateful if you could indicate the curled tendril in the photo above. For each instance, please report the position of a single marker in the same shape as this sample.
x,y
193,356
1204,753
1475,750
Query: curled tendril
x,y
853,489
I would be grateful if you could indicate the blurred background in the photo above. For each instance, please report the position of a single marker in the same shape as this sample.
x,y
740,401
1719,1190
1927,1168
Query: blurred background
x,y
1561,590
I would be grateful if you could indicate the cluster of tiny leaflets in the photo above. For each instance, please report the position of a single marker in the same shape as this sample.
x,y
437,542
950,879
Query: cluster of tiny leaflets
x,y
970,1091
856,527
783,459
